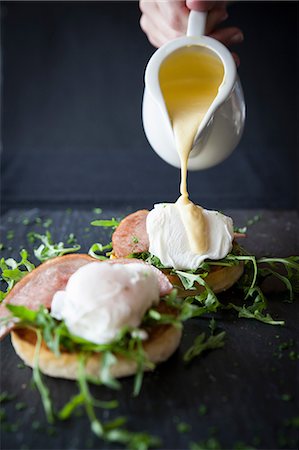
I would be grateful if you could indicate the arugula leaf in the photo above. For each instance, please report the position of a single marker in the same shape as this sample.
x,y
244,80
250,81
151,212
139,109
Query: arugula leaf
x,y
133,441
250,277
96,425
256,309
255,314
155,317
48,249
109,431
22,313
13,271
148,258
249,223
113,223
70,406
188,279
108,360
291,277
202,344
97,247
37,377
207,299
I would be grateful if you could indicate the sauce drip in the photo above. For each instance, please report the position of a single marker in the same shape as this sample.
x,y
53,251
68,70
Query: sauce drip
x,y
189,79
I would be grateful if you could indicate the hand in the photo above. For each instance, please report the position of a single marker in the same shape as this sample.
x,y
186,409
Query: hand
x,y
163,21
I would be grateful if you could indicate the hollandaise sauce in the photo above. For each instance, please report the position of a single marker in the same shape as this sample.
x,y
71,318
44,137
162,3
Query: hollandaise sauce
x,y
189,79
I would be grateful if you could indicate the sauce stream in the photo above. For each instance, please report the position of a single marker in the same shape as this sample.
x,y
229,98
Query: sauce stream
x,y
190,79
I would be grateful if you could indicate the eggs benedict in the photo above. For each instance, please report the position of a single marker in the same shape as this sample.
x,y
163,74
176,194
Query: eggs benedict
x,y
96,301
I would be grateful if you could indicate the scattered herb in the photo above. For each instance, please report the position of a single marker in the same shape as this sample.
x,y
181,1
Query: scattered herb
x,y
2,415
47,223
20,406
293,422
293,355
71,239
10,427
6,397
183,427
13,271
202,410
283,346
97,210
286,397
48,249
105,223
36,425
10,235
202,344
249,223
135,240
209,444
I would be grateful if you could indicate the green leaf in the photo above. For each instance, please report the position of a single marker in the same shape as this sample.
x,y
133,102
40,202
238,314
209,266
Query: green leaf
x,y
13,271
97,248
48,249
105,223
148,258
96,425
70,406
255,314
202,344
108,360
22,313
190,279
133,441
273,266
38,380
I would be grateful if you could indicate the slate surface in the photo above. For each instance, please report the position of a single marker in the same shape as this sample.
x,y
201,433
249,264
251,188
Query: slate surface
x,y
248,387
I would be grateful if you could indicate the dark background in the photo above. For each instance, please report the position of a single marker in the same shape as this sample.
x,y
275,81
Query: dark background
x,y
72,82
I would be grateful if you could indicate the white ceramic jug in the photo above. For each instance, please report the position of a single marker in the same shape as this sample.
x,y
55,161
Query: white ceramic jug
x,y
220,130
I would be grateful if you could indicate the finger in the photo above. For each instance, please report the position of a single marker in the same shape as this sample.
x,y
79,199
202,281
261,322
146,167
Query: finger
x,y
156,34
236,58
163,21
215,17
228,36
153,35
174,14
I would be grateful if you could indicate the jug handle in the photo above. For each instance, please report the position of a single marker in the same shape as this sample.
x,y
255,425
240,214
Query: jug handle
x,y
196,23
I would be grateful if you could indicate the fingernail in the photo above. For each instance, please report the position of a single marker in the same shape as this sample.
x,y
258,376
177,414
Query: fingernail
x,y
237,38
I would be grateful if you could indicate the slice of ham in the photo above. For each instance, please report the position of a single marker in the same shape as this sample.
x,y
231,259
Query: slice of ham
x,y
131,236
38,287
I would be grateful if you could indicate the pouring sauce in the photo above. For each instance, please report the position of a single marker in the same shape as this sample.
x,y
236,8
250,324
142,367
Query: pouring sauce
x,y
189,79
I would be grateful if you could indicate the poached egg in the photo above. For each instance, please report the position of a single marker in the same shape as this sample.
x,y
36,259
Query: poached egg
x,y
168,238
101,298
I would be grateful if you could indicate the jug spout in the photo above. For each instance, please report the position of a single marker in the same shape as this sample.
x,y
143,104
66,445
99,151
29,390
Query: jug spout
x,y
222,133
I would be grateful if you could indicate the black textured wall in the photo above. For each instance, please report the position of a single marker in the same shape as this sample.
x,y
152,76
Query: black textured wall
x,y
72,82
